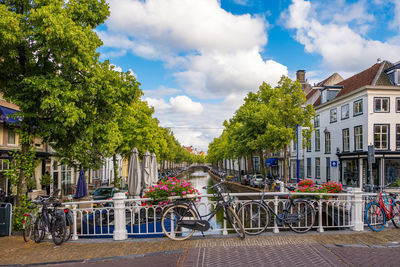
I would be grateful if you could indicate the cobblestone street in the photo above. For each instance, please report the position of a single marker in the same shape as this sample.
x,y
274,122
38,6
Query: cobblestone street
x,y
343,248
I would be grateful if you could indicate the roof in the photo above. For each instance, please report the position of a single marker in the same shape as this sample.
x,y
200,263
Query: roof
x,y
372,76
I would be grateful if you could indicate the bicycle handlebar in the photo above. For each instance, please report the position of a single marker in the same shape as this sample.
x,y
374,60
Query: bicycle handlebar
x,y
213,186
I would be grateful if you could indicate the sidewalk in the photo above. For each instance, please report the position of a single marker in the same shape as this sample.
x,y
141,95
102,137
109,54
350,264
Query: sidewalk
x,y
329,248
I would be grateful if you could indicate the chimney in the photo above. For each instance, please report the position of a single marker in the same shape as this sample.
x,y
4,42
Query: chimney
x,y
301,76
379,60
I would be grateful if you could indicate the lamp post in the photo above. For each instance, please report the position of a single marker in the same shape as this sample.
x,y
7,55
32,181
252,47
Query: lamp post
x,y
297,155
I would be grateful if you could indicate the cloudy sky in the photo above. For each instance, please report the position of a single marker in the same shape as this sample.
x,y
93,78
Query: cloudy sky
x,y
197,59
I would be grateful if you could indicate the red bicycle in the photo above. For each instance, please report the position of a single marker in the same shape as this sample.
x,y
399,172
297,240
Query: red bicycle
x,y
387,208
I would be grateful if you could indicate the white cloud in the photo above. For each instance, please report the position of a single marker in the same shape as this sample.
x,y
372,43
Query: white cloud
x,y
161,92
342,47
185,105
213,51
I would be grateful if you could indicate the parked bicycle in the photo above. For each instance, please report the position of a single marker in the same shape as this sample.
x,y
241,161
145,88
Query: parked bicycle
x,y
28,224
50,220
298,214
181,219
386,208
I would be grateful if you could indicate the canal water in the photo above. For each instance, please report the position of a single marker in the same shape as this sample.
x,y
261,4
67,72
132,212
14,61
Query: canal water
x,y
199,180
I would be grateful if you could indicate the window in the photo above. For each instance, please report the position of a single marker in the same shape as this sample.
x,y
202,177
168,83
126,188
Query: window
x,y
381,104
317,168
333,117
381,136
357,107
11,137
397,136
358,138
317,143
349,176
345,112
256,164
327,142
328,169
308,145
346,139
397,104
308,167
316,121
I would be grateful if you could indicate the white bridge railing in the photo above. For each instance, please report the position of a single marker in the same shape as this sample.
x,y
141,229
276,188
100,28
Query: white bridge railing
x,y
121,218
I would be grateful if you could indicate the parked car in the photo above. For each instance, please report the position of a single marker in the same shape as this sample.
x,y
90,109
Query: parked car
x,y
104,193
245,179
256,180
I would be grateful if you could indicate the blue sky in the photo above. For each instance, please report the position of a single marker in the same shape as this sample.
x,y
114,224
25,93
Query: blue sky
x,y
197,59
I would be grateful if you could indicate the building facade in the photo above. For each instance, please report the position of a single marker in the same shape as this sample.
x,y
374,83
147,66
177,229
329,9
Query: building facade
x,y
361,111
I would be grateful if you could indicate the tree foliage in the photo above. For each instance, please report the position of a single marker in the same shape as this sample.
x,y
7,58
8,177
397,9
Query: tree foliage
x,y
266,121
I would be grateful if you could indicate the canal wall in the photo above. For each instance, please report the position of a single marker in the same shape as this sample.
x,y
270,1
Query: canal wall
x,y
233,186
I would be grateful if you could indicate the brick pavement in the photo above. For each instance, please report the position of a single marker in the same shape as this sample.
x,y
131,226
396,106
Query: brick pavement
x,y
15,251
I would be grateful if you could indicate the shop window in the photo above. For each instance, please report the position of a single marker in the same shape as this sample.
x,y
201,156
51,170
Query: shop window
x,y
397,136
392,171
350,176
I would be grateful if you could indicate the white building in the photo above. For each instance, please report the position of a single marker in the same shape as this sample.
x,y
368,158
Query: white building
x,y
352,114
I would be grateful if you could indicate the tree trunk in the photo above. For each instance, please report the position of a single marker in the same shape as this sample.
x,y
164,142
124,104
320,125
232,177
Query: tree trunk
x,y
262,169
21,186
116,180
285,165
251,169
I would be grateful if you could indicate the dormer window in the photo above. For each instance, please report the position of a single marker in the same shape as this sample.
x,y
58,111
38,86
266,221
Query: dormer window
x,y
394,74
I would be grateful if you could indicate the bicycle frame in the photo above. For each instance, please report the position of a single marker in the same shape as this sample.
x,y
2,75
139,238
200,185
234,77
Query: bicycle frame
x,y
262,202
382,206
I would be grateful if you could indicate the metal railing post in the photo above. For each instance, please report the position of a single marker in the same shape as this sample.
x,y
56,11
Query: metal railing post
x,y
120,232
356,211
276,229
74,223
320,227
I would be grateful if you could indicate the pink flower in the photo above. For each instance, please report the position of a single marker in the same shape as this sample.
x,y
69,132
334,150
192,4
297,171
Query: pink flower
x,y
172,193
184,192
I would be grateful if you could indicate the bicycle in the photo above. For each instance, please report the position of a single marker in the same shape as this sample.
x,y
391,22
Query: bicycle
x,y
50,220
376,213
298,213
180,220
28,224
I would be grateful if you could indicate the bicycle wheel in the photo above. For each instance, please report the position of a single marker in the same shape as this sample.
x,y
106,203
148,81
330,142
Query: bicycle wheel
x,y
302,216
170,219
396,214
68,232
255,217
39,229
28,228
58,230
235,222
375,216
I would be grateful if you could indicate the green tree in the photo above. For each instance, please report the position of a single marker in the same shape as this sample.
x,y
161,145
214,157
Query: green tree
x,y
49,67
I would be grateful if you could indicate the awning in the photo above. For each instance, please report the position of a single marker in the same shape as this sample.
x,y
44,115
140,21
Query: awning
x,y
271,162
4,115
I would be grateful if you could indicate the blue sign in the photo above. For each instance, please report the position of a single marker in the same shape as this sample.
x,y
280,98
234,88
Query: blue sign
x,y
334,163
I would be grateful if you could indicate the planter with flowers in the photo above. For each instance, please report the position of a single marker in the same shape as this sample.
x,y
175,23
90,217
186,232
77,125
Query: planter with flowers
x,y
170,187
308,186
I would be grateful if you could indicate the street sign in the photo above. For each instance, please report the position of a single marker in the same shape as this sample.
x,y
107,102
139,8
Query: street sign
x,y
371,154
334,163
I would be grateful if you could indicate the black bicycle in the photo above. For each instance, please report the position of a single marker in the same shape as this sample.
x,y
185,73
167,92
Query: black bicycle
x,y
298,213
181,219
51,220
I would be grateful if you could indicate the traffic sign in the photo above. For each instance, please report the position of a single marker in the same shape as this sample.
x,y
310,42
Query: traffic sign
x,y
334,163
371,154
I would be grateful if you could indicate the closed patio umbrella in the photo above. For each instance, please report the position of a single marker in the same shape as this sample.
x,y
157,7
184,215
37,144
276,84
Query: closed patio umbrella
x,y
81,189
146,179
154,170
134,174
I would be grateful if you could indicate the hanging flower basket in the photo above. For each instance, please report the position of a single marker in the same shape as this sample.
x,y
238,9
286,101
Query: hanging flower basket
x,y
308,186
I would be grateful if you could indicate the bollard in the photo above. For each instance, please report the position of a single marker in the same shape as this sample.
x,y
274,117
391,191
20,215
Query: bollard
x,y
320,226
120,232
276,201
